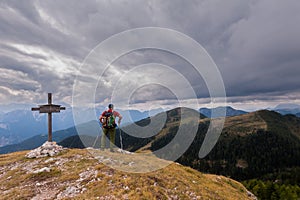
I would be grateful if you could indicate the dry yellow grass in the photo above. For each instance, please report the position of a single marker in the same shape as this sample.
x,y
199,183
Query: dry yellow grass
x,y
94,180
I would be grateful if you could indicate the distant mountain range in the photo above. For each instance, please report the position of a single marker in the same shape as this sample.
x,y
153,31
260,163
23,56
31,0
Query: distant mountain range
x,y
219,110
283,109
19,125
288,109
91,128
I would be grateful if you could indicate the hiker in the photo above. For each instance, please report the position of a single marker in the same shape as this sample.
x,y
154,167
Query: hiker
x,y
107,119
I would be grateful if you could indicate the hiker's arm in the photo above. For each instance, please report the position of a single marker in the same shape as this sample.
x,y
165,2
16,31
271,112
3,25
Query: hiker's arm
x,y
117,114
101,117
120,119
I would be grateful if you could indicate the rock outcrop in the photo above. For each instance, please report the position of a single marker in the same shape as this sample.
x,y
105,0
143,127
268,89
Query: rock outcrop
x,y
47,149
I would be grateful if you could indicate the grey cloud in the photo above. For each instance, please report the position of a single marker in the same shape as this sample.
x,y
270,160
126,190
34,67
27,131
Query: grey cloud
x,y
21,23
265,49
254,43
17,80
150,93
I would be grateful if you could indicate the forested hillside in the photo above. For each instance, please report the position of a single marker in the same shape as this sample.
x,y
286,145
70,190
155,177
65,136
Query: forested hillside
x,y
261,145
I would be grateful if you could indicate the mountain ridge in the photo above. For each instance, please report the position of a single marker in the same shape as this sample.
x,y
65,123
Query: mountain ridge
x,y
219,111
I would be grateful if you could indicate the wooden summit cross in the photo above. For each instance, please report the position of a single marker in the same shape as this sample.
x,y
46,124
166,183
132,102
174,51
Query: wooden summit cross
x,y
49,108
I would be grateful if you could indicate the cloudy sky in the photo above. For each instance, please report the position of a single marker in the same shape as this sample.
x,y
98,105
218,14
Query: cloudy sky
x,y
45,47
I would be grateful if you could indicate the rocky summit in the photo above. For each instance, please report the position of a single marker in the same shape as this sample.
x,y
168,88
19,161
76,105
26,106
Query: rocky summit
x,y
87,174
47,149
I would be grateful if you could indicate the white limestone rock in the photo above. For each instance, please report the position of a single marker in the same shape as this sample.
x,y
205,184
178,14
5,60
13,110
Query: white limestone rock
x,y
44,169
47,149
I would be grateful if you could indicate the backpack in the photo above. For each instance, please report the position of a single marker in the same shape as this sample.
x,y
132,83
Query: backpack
x,y
109,120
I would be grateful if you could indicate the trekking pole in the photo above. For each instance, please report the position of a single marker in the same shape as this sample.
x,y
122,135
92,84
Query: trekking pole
x,y
96,139
121,141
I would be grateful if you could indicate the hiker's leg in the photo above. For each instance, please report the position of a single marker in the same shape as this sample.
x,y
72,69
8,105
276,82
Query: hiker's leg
x,y
112,136
103,138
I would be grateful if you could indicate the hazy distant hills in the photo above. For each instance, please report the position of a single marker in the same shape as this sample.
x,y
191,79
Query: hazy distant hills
x,y
229,111
91,128
288,109
283,109
19,125
37,140
287,106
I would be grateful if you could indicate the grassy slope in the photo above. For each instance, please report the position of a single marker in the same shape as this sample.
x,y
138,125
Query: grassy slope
x,y
241,125
244,124
77,168
279,123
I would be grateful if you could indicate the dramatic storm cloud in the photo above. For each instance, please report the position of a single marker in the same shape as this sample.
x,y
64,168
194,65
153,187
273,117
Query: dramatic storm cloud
x,y
255,44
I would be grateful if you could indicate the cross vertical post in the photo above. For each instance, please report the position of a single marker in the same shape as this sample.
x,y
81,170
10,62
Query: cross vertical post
x,y
49,119
49,108
50,127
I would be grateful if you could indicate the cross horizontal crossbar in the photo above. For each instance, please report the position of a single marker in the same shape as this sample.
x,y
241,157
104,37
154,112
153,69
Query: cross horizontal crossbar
x,y
49,108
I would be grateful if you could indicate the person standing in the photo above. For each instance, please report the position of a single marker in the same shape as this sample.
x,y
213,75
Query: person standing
x,y
108,121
